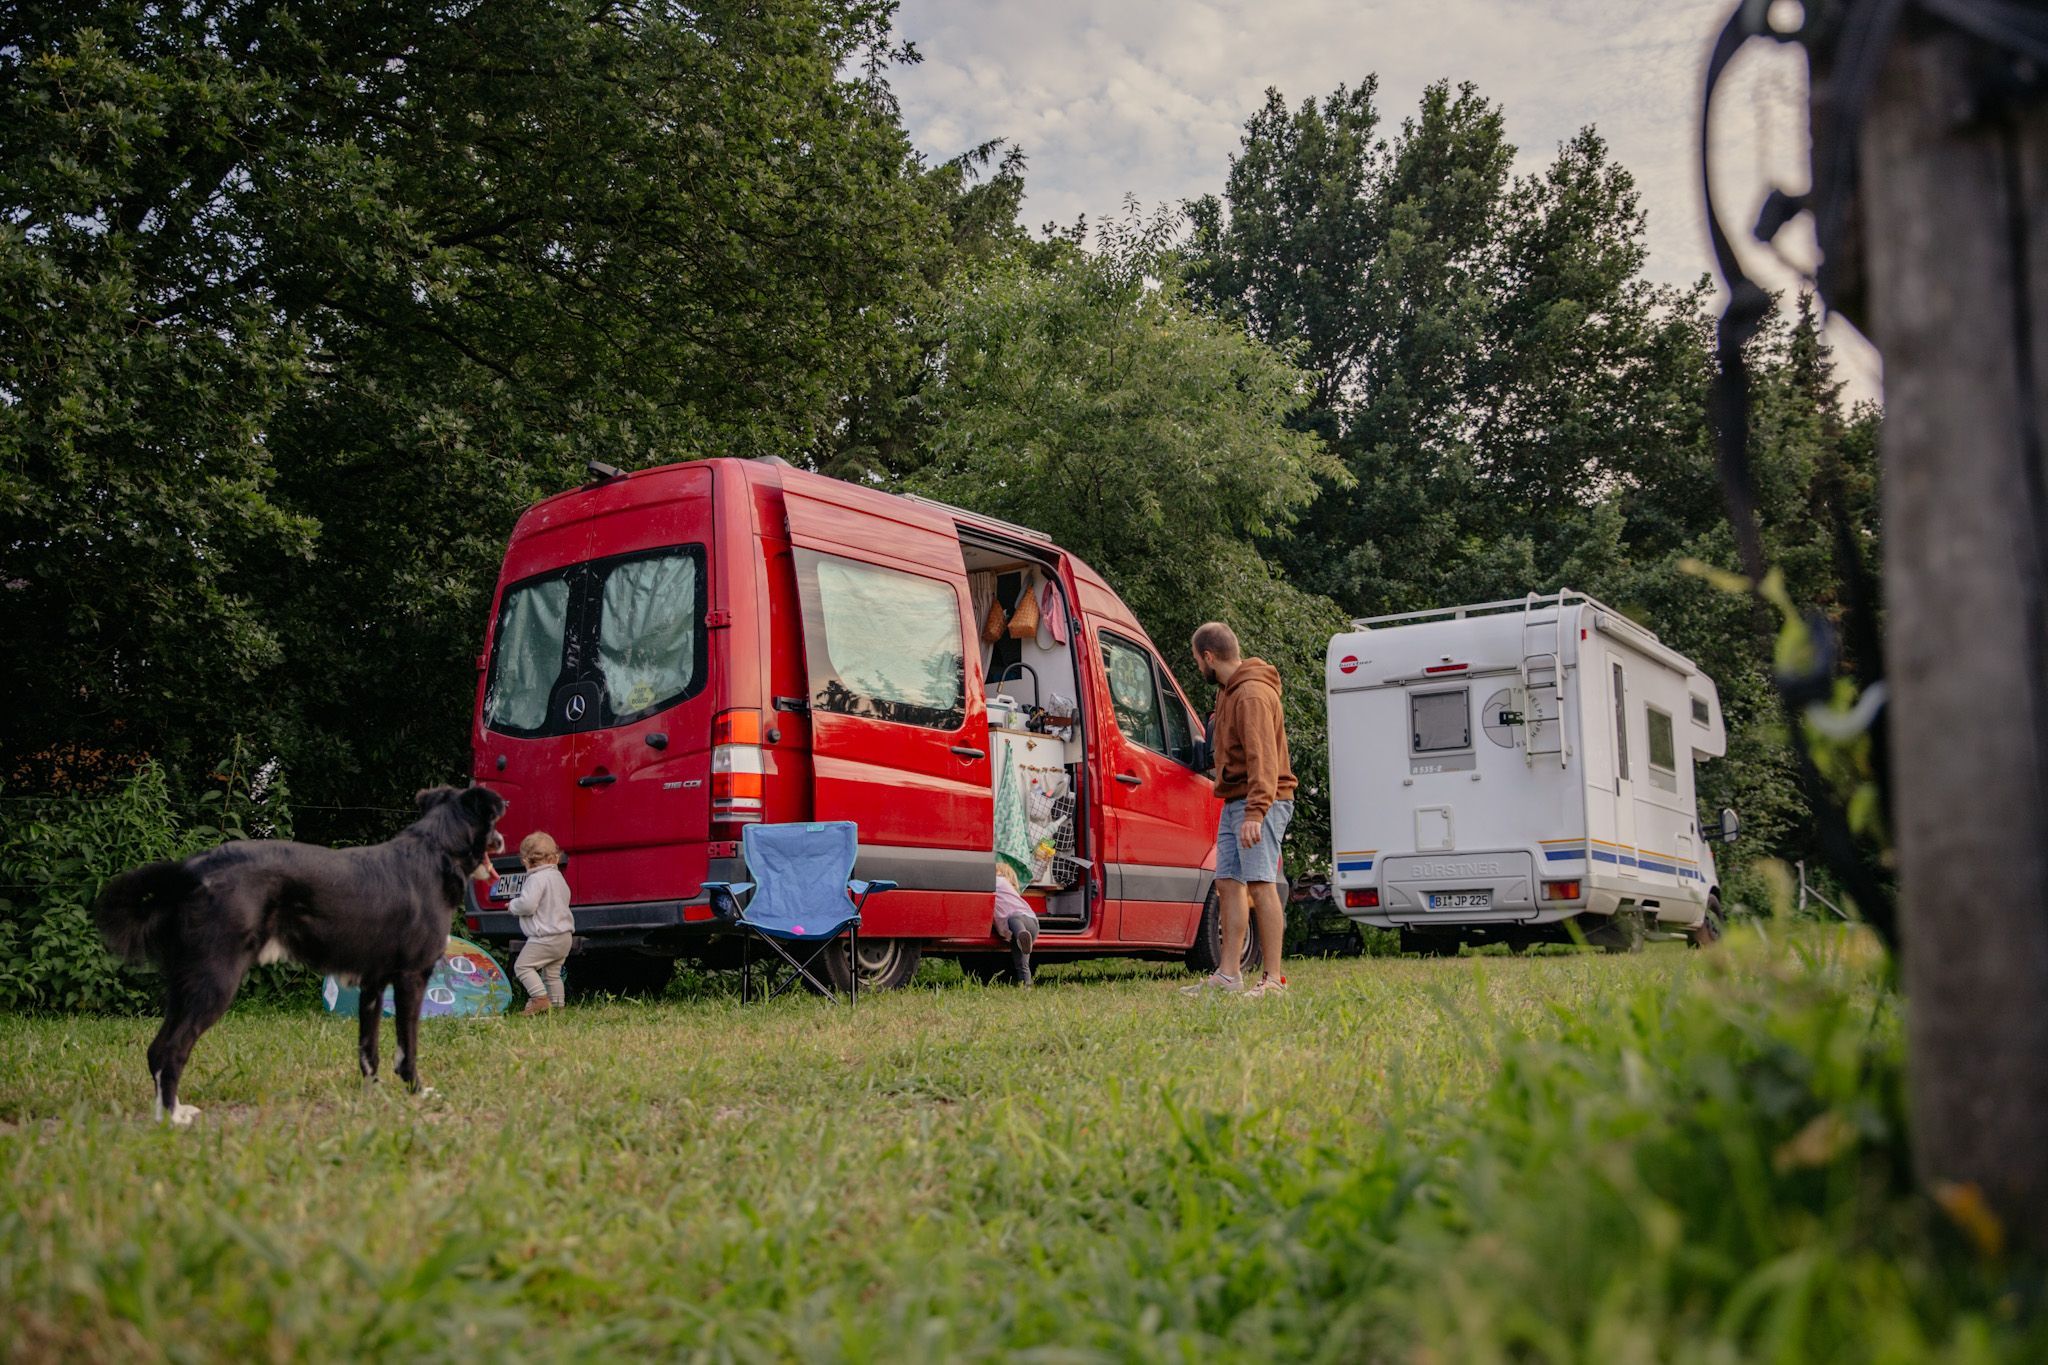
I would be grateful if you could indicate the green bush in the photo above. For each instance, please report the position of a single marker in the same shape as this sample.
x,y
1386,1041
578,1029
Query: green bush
x,y
57,851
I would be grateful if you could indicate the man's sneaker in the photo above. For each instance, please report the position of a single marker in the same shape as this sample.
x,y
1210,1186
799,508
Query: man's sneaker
x,y
1215,982
1268,985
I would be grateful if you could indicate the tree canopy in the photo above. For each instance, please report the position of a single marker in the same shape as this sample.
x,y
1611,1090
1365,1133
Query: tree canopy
x,y
301,304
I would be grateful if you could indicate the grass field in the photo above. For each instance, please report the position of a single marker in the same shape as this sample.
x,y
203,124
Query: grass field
x,y
1673,1156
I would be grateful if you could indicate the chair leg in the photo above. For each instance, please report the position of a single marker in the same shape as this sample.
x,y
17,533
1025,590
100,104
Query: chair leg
x,y
746,942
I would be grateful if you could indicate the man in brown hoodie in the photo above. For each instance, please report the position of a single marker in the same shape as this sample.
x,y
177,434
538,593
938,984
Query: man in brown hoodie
x,y
1249,736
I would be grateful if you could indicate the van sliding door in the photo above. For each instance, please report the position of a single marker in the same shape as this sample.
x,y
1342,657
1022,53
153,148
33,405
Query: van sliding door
x,y
899,731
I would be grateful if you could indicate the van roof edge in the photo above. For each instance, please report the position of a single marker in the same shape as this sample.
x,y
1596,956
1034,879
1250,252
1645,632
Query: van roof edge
x,y
1010,526
1563,597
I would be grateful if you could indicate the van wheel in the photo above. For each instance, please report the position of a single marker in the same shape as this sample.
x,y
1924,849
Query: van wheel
x,y
1205,955
1708,931
887,964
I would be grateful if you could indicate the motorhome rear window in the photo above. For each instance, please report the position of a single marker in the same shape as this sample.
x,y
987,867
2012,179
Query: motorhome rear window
x,y
1441,720
882,643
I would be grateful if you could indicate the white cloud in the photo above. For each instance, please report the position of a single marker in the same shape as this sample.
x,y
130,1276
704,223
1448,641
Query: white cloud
x,y
1149,97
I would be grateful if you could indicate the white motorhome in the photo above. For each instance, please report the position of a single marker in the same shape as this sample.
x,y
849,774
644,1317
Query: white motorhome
x,y
1499,769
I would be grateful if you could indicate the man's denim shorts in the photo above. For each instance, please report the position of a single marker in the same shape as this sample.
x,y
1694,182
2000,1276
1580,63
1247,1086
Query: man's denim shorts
x,y
1260,862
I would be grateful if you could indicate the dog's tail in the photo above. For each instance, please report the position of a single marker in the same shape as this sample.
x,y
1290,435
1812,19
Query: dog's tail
x,y
133,909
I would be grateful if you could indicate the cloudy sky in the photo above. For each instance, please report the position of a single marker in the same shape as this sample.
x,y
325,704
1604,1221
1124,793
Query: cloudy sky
x,y
1149,97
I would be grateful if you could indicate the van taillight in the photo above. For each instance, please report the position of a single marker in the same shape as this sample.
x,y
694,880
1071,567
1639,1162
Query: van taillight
x,y
1368,899
738,786
1561,891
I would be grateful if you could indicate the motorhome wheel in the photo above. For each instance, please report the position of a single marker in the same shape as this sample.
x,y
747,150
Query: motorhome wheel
x,y
1709,929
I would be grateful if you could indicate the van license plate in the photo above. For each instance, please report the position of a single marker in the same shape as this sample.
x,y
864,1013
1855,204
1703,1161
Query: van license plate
x,y
1461,900
507,886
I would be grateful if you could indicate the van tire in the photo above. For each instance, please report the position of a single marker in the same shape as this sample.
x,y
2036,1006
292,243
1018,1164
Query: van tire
x,y
1206,953
1708,931
887,964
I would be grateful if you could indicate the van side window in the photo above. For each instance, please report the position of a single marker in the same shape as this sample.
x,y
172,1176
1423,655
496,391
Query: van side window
x,y
1620,725
527,655
1133,693
1440,721
881,643
1180,726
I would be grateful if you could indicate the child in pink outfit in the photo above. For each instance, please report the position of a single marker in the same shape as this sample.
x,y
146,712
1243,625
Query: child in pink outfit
x,y
1016,923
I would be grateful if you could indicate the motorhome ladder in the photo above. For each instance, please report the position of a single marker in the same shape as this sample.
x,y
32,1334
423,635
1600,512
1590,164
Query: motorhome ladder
x,y
1542,689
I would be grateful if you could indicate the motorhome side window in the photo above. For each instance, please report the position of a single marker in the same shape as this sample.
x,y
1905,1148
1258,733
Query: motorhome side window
x,y
1134,693
1663,749
881,643
1620,726
1441,721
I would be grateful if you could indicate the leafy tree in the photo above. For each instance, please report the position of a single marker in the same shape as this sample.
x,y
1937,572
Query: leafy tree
x,y
300,304
1091,399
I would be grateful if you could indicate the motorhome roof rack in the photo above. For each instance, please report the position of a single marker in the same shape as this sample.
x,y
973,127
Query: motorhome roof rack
x,y
1523,604
1008,527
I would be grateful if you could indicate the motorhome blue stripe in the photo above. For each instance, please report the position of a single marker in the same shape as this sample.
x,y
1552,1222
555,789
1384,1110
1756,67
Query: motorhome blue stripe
x,y
1558,855
1363,865
1648,866
1605,857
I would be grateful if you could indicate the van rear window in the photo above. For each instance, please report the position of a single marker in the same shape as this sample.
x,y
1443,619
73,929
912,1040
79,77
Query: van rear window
x,y
531,628
882,643
602,643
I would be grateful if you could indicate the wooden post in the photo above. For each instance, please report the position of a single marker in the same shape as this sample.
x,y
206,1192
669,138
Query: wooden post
x,y
1954,188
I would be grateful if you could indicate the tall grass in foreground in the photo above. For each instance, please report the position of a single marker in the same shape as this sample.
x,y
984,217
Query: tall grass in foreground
x,y
1676,1156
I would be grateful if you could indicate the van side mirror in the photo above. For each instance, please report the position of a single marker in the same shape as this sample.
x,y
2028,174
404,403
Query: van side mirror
x,y
1731,826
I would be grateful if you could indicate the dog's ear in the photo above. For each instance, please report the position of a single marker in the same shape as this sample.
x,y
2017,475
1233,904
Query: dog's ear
x,y
482,803
429,797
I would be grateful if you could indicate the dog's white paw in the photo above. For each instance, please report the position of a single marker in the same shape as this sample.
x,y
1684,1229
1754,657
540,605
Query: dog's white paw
x,y
427,1092
182,1115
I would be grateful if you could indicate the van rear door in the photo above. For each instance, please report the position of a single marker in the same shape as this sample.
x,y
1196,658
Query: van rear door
x,y
641,792
899,731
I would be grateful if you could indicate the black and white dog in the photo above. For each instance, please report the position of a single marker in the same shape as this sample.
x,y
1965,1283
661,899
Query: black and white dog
x,y
379,914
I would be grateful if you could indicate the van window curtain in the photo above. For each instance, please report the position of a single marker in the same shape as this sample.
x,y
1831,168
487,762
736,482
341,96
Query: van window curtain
x,y
647,632
528,657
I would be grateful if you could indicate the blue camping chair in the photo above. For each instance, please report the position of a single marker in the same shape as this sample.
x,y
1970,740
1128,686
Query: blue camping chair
x,y
803,893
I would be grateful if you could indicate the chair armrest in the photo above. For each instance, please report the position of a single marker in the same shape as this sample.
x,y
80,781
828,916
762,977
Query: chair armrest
x,y
731,892
862,890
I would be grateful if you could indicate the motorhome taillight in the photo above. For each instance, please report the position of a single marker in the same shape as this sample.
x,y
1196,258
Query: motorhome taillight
x,y
1368,899
1561,891
1446,668
738,781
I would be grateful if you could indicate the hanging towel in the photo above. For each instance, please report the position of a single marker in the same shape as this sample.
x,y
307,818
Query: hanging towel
x,y
1013,821
1052,617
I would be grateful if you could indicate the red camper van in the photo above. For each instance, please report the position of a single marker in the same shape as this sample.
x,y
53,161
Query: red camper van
x,y
676,652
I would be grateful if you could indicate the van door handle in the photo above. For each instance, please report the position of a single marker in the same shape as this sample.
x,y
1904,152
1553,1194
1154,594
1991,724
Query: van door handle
x,y
969,751
597,780
1130,779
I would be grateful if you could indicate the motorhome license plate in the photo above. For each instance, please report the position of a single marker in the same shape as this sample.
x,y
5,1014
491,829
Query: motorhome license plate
x,y
507,886
1461,900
